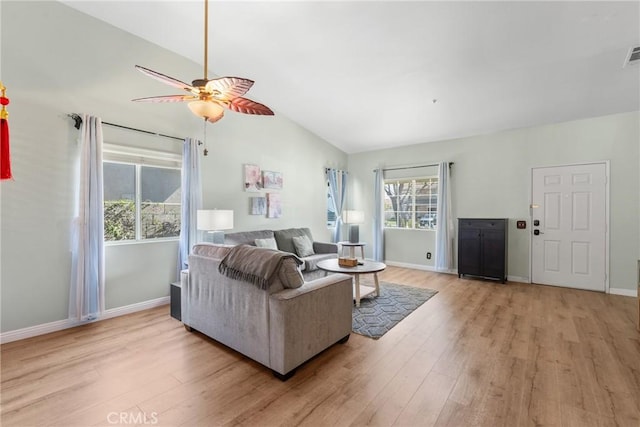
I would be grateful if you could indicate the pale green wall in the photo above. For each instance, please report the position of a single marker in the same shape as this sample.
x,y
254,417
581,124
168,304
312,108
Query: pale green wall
x,y
275,146
54,61
491,178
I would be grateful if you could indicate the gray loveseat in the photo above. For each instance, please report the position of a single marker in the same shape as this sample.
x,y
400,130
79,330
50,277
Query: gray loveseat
x,y
280,325
284,241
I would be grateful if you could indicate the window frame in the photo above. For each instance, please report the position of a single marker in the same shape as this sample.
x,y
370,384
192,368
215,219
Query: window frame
x,y
413,212
139,158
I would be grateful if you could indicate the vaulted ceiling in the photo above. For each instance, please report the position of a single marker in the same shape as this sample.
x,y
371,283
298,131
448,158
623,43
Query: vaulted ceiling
x,y
366,75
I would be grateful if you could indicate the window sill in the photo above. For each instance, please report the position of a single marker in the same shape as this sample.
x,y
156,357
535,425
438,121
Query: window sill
x,y
410,229
140,242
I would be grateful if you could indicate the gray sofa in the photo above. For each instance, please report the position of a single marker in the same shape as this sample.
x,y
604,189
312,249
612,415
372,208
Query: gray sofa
x,y
280,326
284,240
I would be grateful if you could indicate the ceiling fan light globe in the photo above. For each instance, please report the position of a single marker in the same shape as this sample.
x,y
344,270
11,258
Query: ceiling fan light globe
x,y
207,110
215,119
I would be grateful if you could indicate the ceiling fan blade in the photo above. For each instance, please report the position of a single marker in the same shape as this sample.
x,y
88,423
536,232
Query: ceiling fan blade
x,y
166,79
247,106
228,87
167,98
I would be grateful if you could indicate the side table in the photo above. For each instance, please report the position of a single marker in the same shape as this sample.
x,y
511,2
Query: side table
x,y
352,248
175,296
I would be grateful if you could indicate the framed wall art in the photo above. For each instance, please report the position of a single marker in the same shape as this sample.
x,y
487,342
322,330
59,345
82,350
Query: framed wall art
x,y
271,180
274,205
252,178
258,205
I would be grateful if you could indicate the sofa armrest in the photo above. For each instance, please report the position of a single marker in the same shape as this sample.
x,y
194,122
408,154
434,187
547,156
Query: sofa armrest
x,y
309,319
325,248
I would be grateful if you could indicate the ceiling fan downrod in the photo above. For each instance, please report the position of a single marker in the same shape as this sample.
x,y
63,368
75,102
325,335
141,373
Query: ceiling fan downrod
x,y
206,38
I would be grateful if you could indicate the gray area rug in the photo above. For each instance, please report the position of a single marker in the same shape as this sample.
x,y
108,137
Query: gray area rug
x,y
377,315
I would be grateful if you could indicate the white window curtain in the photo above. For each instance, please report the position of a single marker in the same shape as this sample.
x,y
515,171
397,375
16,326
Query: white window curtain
x,y
191,201
338,190
378,216
87,246
444,227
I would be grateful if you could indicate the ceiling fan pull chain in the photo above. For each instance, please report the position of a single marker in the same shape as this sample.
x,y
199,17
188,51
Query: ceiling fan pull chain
x,y
204,124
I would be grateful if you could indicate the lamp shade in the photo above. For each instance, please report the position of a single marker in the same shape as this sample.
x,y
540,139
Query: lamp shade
x,y
353,217
214,220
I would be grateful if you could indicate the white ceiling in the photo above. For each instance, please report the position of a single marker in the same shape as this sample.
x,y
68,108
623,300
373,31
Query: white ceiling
x,y
366,75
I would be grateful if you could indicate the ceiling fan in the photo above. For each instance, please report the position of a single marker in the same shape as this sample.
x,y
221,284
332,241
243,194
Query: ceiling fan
x,y
209,98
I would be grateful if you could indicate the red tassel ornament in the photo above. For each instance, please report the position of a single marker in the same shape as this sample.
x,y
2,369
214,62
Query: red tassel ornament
x,y
5,158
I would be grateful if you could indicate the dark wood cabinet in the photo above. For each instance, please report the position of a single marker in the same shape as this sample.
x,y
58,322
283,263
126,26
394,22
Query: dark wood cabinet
x,y
482,248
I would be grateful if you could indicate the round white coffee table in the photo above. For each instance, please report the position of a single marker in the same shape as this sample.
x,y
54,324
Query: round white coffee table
x,y
367,267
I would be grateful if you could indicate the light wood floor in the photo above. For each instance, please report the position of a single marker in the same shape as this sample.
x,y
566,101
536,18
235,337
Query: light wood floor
x,y
477,353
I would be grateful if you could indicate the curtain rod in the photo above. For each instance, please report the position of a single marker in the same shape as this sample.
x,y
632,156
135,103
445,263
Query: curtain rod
x,y
78,122
414,167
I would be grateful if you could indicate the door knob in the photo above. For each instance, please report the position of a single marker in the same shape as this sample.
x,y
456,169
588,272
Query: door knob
x,y
537,232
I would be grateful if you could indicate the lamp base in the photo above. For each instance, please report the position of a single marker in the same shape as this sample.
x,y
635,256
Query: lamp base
x,y
217,237
354,233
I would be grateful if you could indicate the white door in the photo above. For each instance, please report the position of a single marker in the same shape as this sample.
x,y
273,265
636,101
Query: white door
x,y
569,242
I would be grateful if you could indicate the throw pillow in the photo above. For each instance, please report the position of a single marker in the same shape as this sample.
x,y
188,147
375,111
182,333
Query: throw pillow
x,y
303,245
269,243
290,275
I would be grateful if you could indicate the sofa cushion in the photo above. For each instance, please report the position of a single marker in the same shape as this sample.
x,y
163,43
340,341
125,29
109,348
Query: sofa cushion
x,y
269,243
311,262
290,275
211,250
284,238
303,246
247,237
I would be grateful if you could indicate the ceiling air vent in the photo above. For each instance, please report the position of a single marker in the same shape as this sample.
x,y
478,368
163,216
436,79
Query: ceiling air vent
x,y
633,57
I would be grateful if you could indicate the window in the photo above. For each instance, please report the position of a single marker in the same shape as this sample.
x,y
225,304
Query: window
x,y
141,199
411,203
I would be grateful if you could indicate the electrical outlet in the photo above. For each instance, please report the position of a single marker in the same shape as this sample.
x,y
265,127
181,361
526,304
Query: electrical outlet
x,y
428,255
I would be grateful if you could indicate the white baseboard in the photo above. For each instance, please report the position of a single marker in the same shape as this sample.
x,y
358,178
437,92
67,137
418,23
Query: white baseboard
x,y
127,309
59,325
45,328
418,267
624,292
430,268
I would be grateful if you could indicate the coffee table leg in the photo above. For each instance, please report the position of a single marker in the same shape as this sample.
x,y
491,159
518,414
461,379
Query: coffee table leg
x,y
375,278
357,277
362,252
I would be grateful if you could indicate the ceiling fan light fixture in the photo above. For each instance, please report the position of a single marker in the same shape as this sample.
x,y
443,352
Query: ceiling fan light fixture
x,y
208,110
209,98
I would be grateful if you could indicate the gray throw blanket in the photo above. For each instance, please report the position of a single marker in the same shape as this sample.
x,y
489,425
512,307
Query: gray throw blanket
x,y
254,265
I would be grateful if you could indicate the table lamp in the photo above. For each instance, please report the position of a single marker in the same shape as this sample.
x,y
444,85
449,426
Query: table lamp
x,y
214,222
353,218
